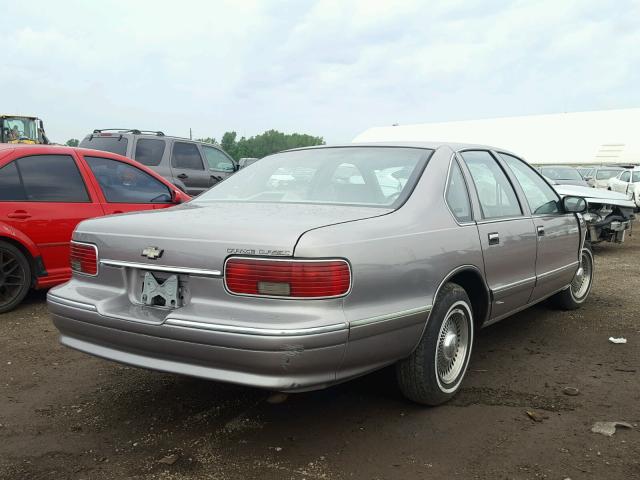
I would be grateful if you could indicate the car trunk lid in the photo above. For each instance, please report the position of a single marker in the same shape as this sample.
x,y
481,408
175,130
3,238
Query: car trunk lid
x,y
203,236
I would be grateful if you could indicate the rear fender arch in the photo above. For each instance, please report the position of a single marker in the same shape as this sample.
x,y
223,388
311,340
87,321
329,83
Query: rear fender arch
x,y
471,278
24,244
7,232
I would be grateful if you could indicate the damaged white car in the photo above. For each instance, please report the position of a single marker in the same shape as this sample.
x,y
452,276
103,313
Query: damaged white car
x,y
609,216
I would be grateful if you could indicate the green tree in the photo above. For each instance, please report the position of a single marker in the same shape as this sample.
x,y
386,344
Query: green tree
x,y
228,143
210,140
269,142
72,142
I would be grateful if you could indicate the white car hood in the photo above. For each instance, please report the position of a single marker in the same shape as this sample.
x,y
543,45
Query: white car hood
x,y
596,195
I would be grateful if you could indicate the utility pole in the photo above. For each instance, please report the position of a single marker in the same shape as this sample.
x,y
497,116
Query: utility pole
x,y
190,135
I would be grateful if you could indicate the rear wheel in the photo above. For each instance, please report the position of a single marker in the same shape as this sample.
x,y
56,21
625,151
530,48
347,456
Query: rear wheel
x,y
15,277
433,373
573,297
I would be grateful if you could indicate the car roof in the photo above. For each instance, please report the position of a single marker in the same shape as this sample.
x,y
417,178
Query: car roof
x,y
558,166
147,134
36,147
455,146
40,149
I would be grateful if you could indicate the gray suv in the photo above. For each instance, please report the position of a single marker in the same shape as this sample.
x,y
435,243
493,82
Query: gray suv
x,y
190,165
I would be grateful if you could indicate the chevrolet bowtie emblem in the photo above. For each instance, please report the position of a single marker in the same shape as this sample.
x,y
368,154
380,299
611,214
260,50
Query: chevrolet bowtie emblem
x,y
152,253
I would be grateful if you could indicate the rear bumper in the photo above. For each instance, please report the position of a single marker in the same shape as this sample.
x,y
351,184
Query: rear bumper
x,y
278,359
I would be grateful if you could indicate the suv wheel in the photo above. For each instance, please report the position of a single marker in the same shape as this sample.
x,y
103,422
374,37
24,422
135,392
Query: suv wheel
x,y
433,373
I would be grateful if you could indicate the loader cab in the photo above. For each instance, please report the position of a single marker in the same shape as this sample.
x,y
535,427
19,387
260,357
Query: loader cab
x,y
22,129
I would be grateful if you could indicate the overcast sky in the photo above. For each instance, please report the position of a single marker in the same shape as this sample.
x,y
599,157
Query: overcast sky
x,y
328,68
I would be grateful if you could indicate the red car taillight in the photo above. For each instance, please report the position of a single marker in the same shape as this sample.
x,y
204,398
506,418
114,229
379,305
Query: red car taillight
x,y
84,258
288,278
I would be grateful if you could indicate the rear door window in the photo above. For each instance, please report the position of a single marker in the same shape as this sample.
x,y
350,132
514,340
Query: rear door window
x,y
124,183
113,143
52,178
149,151
186,156
496,194
10,184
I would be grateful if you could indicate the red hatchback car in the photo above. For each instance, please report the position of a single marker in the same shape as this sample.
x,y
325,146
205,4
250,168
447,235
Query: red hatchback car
x,y
45,191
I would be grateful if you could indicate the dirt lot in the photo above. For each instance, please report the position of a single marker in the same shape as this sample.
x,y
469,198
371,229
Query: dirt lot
x,y
66,415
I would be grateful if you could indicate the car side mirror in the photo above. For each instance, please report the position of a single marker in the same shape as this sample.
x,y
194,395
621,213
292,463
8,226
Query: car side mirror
x,y
175,197
572,204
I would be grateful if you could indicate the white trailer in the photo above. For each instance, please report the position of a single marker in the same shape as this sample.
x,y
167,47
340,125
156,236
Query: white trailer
x,y
580,138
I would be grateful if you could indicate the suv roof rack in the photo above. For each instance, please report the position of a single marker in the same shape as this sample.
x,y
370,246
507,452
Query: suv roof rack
x,y
134,131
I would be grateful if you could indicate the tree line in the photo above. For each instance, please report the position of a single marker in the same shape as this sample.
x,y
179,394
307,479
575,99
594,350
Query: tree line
x,y
257,146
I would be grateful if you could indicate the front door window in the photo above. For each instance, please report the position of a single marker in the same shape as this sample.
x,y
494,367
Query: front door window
x,y
541,198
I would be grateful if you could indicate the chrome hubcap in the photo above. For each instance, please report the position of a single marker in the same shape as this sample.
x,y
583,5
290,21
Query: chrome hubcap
x,y
582,279
453,345
450,346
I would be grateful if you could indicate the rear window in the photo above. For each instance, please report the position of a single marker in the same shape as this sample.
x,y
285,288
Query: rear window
x,y
367,176
114,144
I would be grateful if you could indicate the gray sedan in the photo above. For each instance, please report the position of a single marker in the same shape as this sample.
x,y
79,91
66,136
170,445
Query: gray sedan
x,y
318,265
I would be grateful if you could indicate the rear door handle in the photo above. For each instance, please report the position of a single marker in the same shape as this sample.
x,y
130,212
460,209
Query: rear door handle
x,y
494,238
541,231
183,176
19,214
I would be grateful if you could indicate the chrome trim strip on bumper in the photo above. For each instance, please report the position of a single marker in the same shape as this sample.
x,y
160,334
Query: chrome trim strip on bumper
x,y
391,316
270,332
199,272
71,303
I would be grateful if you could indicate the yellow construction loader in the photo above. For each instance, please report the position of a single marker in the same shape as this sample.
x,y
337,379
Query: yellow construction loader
x,y
22,129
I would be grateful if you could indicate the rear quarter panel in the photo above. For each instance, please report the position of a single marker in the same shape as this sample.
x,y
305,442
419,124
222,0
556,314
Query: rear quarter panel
x,y
398,262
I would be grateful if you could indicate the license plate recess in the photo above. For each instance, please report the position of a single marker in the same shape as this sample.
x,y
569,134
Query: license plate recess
x,y
160,293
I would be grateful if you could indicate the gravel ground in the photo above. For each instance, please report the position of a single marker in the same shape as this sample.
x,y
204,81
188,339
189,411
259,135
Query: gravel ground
x,y
65,415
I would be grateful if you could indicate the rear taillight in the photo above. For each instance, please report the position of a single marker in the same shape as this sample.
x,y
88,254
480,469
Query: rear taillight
x,y
84,258
287,278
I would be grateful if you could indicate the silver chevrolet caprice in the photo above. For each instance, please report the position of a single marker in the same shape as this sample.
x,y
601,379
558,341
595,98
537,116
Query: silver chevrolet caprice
x,y
317,265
